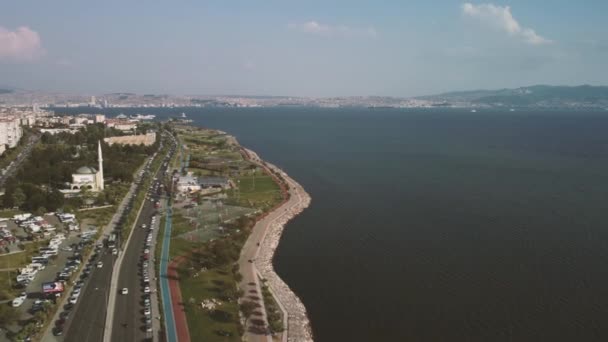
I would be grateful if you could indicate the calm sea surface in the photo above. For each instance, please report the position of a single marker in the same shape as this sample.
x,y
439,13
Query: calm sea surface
x,y
440,225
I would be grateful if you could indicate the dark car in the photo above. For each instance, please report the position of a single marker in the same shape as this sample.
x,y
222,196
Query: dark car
x,y
58,331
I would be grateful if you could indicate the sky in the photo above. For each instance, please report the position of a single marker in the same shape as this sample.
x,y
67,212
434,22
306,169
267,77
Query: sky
x,y
301,48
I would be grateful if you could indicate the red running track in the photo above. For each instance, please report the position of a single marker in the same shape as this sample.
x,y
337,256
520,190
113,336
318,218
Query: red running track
x,y
179,315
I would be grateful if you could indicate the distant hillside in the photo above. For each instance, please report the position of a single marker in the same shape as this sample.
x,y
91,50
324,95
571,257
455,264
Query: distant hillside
x,y
5,91
533,96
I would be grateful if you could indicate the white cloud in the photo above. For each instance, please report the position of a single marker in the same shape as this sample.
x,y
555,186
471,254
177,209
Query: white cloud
x,y
501,18
23,44
314,27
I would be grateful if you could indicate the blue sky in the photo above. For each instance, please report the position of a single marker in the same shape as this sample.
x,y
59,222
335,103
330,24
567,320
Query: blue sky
x,y
301,48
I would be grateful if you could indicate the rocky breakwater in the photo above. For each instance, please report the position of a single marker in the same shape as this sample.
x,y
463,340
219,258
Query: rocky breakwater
x,y
298,324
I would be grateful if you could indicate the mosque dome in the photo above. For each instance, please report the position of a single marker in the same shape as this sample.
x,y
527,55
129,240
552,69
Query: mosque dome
x,y
86,170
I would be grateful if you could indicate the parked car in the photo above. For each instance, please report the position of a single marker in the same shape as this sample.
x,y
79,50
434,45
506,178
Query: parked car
x,y
58,331
19,300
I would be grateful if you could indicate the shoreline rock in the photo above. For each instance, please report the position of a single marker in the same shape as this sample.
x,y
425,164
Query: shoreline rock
x,y
298,323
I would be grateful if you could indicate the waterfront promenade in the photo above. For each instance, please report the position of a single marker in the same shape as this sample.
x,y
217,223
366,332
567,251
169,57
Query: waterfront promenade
x,y
260,247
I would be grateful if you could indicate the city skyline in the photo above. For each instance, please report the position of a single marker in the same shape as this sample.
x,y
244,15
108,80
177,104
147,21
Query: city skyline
x,y
308,49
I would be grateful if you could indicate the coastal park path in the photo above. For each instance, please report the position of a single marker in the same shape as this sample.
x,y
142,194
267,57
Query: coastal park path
x,y
252,246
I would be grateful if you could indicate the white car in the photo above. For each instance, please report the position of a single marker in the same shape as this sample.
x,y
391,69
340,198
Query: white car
x,y
125,291
73,300
147,311
99,264
114,251
143,225
19,300
147,289
146,279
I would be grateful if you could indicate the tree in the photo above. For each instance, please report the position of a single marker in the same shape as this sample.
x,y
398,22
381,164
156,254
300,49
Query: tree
x,y
86,195
40,316
18,197
54,200
247,308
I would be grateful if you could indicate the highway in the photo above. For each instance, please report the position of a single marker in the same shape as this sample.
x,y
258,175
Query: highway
x,y
89,312
129,320
87,320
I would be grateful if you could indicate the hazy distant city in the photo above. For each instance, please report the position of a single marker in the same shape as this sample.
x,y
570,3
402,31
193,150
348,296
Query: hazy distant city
x,y
541,96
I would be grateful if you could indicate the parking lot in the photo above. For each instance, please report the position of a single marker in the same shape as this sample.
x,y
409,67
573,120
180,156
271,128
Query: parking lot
x,y
54,265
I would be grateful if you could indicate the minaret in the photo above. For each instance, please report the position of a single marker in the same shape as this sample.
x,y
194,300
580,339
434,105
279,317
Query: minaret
x,y
100,172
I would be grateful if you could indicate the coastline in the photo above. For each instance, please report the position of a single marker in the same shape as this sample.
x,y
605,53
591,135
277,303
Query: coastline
x,y
295,318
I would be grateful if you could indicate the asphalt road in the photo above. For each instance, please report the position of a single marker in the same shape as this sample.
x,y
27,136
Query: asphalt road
x,y
88,316
87,319
128,311
86,322
20,158
129,319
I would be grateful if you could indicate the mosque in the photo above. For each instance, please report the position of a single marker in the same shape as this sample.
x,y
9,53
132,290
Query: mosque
x,y
87,177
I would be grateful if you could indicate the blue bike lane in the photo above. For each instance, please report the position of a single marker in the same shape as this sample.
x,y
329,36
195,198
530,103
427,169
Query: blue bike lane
x,y
165,291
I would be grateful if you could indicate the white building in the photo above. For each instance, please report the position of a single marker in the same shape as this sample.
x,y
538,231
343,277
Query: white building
x,y
87,177
10,131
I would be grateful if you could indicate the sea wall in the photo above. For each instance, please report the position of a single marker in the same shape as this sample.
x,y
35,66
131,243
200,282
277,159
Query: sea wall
x,y
298,324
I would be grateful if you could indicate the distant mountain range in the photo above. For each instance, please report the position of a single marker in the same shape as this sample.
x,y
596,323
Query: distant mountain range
x,y
533,96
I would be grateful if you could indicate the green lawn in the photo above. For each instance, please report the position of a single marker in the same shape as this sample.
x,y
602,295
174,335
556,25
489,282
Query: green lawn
x,y
20,259
181,246
99,217
202,325
7,279
259,191
9,213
